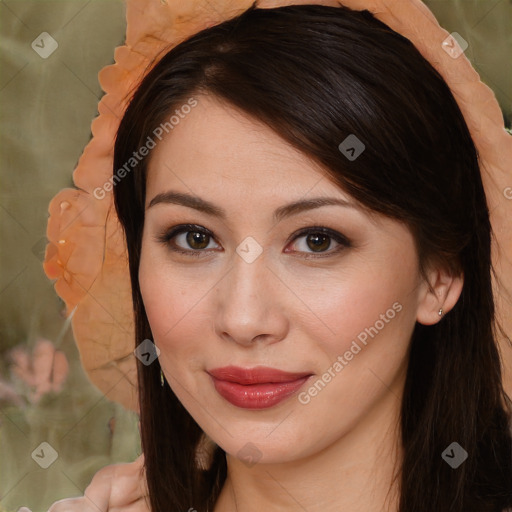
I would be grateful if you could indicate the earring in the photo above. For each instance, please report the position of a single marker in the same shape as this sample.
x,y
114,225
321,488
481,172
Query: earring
x,y
441,312
162,382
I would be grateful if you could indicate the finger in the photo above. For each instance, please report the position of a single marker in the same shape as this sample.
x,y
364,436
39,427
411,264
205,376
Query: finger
x,y
141,505
99,490
75,505
269,4
128,483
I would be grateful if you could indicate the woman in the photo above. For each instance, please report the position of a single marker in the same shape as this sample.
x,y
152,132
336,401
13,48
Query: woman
x,y
299,191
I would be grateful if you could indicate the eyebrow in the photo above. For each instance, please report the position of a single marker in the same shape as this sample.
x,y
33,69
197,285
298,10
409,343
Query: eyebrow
x,y
191,201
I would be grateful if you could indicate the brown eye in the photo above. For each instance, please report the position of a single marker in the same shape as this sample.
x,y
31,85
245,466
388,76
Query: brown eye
x,y
187,239
318,242
197,240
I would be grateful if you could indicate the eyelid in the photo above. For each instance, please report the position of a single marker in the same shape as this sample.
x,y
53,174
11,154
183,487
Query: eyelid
x,y
167,235
170,233
338,237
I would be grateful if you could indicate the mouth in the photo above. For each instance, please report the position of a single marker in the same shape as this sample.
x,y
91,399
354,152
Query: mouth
x,y
256,388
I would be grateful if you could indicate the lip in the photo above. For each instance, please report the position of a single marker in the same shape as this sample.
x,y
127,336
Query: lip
x,y
256,388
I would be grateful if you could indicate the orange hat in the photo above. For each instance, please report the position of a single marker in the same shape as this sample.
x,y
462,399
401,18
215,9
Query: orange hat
x,y
87,254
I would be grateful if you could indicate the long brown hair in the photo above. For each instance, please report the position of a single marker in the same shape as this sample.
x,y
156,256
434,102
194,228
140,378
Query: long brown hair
x,y
316,74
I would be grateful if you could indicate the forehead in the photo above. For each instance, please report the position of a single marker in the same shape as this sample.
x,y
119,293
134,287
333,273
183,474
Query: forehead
x,y
217,145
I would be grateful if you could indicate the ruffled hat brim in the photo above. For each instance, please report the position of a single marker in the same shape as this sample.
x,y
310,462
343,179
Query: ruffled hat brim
x,y
86,254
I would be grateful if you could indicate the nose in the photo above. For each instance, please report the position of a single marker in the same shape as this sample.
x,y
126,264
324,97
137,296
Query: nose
x,y
250,304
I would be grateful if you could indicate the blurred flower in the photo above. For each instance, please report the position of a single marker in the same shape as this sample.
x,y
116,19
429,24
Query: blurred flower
x,y
9,394
43,371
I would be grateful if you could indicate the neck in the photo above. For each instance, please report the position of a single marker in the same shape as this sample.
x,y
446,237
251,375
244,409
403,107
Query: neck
x,y
354,474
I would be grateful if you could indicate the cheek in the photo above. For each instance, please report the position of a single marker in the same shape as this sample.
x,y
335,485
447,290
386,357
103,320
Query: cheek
x,y
326,311
370,311
370,299
170,303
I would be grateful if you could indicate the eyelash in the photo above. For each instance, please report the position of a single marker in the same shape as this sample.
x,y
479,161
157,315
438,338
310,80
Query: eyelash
x,y
168,235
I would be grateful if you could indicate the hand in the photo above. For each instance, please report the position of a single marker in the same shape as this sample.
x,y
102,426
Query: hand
x,y
114,488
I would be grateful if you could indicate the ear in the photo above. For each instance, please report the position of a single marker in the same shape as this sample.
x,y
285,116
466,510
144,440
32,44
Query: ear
x,y
441,291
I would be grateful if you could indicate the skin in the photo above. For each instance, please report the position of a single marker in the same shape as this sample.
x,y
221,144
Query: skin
x,y
114,488
291,308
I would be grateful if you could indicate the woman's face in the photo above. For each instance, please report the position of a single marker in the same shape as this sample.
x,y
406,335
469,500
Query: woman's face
x,y
321,290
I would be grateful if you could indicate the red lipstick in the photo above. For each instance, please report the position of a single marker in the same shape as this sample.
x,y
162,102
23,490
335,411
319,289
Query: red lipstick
x,y
256,388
